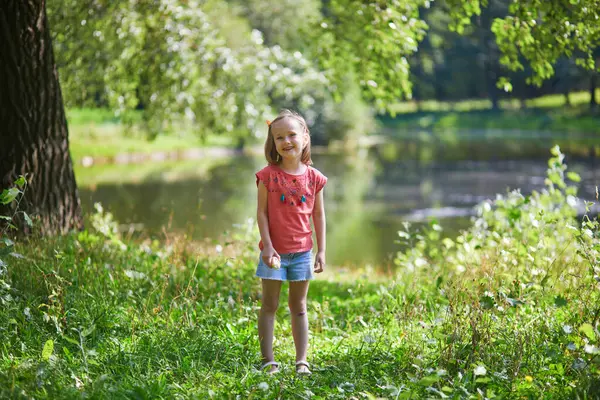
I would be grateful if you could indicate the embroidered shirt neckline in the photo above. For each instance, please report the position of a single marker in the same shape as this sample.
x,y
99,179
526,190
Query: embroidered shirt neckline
x,y
287,173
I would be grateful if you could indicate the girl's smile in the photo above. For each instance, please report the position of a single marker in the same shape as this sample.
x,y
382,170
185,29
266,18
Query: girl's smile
x,y
290,138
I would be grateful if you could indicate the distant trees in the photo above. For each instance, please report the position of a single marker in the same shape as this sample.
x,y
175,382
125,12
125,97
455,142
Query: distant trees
x,y
538,34
466,53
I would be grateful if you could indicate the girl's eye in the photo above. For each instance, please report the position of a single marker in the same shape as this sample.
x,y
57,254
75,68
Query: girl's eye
x,y
279,138
293,134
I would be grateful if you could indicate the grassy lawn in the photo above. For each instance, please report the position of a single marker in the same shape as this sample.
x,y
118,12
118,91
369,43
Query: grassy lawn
x,y
546,114
508,309
98,133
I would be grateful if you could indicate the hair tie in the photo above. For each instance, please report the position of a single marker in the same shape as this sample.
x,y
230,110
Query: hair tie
x,y
268,123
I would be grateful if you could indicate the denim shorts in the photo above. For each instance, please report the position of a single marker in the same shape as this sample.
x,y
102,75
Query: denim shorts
x,y
294,267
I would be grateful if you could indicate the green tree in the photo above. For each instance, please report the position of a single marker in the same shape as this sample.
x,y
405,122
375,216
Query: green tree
x,y
286,23
540,32
176,61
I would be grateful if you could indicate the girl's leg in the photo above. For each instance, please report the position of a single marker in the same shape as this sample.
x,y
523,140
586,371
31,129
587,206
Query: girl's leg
x,y
266,319
297,304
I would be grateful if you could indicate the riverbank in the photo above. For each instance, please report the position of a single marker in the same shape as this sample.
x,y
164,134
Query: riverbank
x,y
507,309
98,137
546,115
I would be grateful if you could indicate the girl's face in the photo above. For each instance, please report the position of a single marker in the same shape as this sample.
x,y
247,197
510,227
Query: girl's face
x,y
290,138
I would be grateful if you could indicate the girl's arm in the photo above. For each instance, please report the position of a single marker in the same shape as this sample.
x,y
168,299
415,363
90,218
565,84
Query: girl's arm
x,y
263,225
318,216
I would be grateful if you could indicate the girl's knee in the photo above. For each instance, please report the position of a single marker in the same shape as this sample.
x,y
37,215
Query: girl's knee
x,y
270,307
298,308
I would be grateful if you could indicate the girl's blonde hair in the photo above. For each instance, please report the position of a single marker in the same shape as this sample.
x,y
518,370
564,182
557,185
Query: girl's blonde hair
x,y
271,154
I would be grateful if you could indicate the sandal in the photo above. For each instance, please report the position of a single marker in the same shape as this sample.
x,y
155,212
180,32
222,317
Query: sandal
x,y
274,367
302,368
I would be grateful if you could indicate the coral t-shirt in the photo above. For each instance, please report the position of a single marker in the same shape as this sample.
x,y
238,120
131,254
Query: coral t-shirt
x,y
290,203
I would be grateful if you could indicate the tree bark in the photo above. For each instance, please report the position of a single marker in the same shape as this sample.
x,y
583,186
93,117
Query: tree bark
x,y
33,132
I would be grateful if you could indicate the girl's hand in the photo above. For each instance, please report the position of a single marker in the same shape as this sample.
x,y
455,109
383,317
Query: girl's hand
x,y
319,262
268,255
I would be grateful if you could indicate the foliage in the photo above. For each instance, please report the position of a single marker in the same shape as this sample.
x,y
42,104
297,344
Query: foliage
x,y
185,66
524,264
183,61
349,119
508,309
10,199
173,62
286,23
373,39
540,32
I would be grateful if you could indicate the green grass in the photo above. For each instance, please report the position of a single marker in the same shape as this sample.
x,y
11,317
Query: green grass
x,y
578,99
509,308
98,133
547,114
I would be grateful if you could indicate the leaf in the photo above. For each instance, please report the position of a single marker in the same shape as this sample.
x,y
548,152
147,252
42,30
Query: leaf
x,y
486,302
8,195
21,181
71,340
560,301
429,380
574,176
588,330
4,217
504,84
87,331
27,219
48,349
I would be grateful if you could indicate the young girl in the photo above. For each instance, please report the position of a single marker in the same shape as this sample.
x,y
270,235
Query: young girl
x,y
289,193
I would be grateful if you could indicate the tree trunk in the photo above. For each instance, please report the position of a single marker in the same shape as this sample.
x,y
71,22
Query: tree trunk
x,y
593,86
567,98
33,133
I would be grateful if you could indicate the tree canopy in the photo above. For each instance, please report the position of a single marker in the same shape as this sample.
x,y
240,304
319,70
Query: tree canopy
x,y
222,66
539,33
184,58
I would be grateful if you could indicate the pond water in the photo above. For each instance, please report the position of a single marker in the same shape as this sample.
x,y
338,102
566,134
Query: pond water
x,y
370,194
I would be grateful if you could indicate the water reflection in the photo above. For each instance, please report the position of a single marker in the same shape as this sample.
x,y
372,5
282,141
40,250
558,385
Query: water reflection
x,y
368,197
